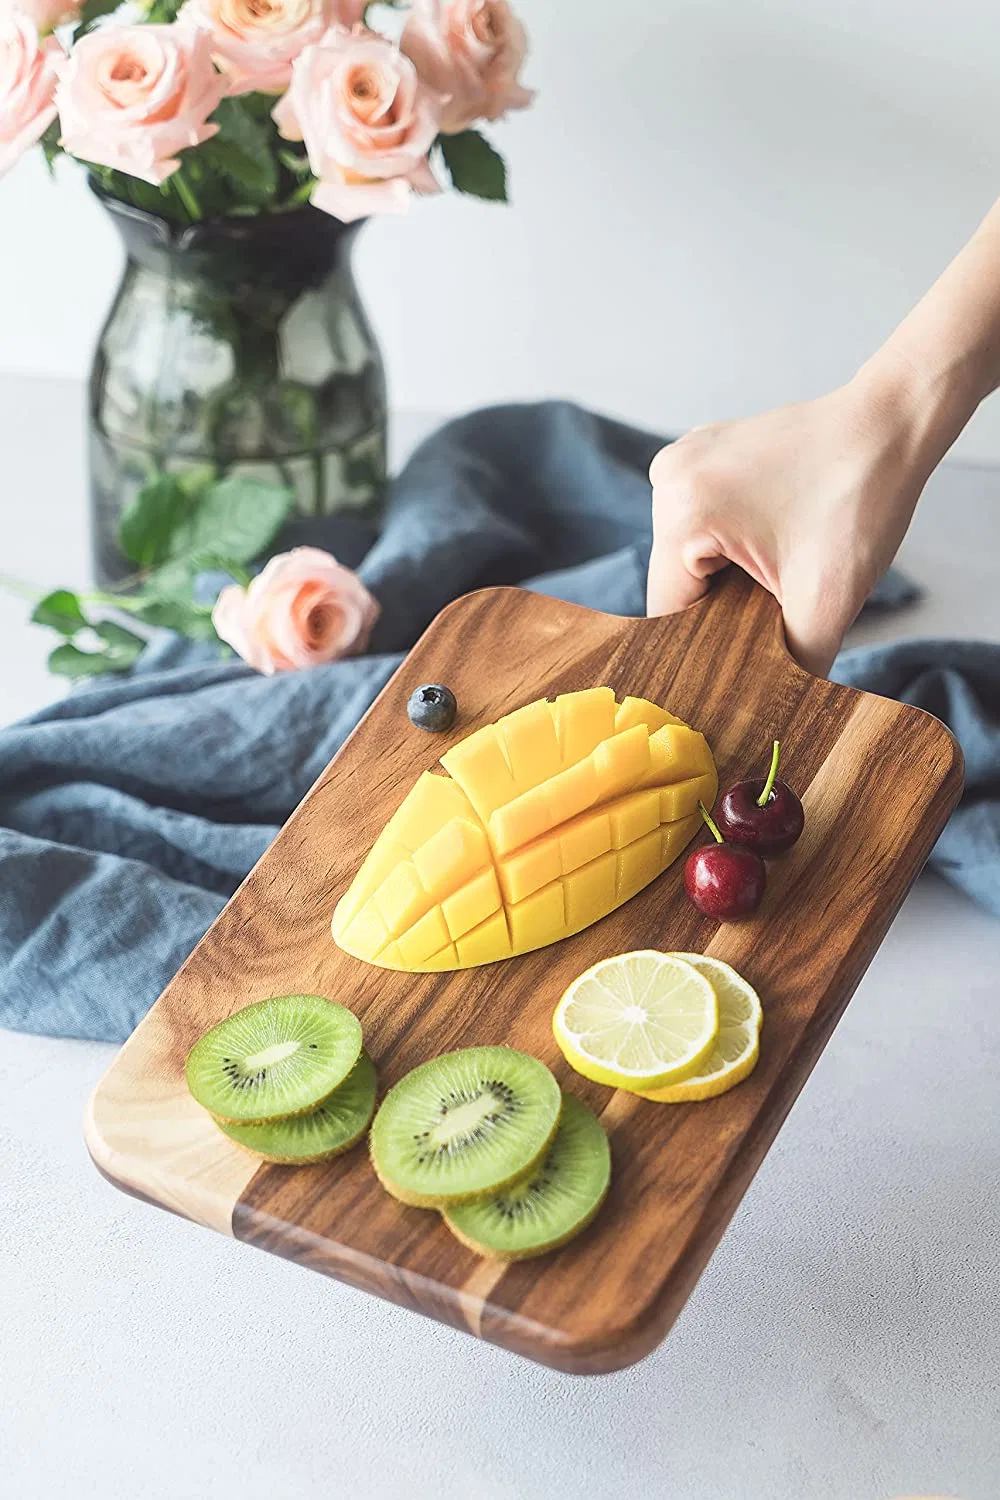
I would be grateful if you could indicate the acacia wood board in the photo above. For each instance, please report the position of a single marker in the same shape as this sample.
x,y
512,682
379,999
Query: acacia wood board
x,y
878,780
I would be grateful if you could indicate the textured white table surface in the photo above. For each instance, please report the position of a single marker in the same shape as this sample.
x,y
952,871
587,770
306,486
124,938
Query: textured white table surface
x,y
842,1345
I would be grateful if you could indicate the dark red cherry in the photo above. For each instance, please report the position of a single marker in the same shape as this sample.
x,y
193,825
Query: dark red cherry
x,y
765,816
723,881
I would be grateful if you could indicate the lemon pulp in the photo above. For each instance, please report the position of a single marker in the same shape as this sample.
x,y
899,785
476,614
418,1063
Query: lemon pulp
x,y
638,1020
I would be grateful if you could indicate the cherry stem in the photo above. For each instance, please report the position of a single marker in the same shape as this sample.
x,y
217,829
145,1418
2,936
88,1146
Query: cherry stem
x,y
708,819
772,776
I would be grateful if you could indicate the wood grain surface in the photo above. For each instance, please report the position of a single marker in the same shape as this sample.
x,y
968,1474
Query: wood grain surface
x,y
878,780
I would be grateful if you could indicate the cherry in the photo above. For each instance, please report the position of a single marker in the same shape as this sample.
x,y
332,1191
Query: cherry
x,y
722,880
764,816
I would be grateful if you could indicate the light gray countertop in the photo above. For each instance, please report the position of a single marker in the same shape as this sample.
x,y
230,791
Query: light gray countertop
x,y
842,1344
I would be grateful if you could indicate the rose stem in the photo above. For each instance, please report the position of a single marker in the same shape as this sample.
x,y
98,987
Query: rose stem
x,y
708,819
771,776
183,189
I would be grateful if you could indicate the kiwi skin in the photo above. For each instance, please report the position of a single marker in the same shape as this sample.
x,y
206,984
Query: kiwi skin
x,y
298,1161
506,1260
223,1120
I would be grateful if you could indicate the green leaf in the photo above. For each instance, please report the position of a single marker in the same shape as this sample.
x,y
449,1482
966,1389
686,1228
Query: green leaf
x,y
51,148
187,618
124,645
168,602
173,580
162,12
243,151
148,527
234,520
474,166
122,649
260,106
70,661
93,10
61,611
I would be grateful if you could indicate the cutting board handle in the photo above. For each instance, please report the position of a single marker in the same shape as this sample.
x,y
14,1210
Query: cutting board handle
x,y
735,613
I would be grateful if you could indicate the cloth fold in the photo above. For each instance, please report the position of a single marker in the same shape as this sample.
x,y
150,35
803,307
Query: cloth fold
x,y
131,809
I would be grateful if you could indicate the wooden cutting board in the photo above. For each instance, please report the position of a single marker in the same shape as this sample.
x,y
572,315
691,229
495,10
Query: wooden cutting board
x,y
878,780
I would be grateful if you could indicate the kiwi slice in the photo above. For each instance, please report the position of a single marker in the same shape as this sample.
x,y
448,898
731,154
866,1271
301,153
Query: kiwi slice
x,y
547,1208
339,1123
276,1058
463,1125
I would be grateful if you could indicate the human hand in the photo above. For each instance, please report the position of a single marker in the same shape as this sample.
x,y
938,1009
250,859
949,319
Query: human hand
x,y
811,500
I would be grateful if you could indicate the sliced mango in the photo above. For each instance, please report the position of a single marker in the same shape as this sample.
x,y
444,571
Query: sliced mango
x,y
546,821
639,711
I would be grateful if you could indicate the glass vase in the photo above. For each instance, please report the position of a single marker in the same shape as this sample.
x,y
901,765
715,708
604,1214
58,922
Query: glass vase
x,y
237,345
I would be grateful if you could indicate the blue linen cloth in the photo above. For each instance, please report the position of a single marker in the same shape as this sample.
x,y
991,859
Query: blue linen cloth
x,y
131,809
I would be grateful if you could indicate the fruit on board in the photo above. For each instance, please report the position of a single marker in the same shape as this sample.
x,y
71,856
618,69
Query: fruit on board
x,y
722,880
546,821
276,1058
733,1055
463,1125
552,1205
328,1130
765,816
432,707
637,1021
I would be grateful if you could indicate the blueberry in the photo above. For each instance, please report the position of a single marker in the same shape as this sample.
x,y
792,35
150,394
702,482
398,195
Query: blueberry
x,y
432,707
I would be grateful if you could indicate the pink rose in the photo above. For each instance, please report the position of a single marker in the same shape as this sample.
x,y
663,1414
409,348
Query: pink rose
x,y
131,97
470,51
367,120
304,609
255,42
27,86
46,14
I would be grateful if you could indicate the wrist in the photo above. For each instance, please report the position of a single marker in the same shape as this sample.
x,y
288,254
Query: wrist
x,y
917,409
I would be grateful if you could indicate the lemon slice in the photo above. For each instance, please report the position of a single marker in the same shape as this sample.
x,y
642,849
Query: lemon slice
x,y
733,1055
637,1021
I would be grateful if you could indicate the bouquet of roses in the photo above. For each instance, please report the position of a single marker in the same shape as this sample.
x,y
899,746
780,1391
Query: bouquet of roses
x,y
199,109
194,109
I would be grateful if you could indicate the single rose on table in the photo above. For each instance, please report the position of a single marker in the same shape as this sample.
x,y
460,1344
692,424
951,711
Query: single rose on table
x,y
303,610
132,97
255,42
27,86
368,122
471,53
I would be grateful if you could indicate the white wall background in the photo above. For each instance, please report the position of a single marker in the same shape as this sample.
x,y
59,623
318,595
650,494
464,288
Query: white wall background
x,y
718,207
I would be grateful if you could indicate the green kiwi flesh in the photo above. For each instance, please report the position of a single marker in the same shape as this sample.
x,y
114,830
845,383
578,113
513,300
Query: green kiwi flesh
x,y
276,1058
336,1125
463,1125
551,1205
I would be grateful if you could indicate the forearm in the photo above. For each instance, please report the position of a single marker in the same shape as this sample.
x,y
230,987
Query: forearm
x,y
814,499
944,358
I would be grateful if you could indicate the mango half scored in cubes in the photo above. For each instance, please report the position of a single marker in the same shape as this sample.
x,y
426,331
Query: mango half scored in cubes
x,y
546,821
